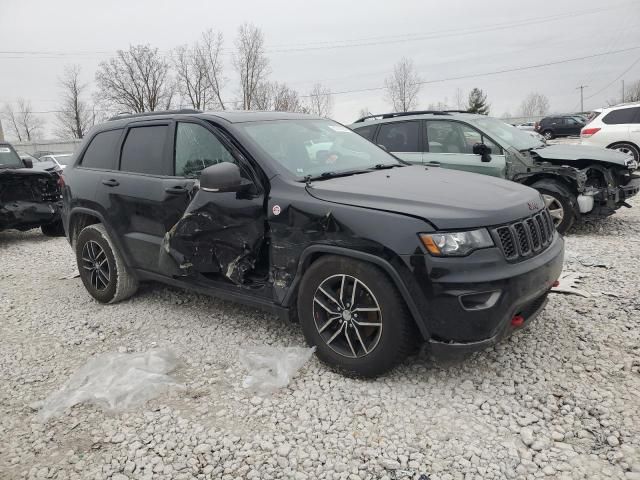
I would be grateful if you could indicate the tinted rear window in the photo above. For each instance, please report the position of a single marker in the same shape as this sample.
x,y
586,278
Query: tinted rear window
x,y
400,136
366,132
622,116
101,152
143,150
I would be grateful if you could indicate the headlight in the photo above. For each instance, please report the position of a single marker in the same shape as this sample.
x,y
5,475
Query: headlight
x,y
456,244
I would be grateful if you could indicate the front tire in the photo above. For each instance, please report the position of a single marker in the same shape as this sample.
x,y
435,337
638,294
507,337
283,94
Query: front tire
x,y
628,148
548,134
354,316
560,206
102,269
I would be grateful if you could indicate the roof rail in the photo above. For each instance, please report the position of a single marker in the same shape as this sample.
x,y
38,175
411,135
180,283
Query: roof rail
x,y
122,115
404,114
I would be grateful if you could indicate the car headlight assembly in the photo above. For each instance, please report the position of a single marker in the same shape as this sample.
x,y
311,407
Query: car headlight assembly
x,y
456,244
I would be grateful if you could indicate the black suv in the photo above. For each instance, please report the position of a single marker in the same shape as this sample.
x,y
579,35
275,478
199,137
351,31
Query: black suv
x,y
559,126
29,198
304,217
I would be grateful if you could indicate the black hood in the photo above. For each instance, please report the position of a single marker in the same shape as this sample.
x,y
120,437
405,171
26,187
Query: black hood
x,y
448,199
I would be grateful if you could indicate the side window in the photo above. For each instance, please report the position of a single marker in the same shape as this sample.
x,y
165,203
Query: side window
x,y
101,152
367,132
455,137
143,149
400,136
622,116
197,148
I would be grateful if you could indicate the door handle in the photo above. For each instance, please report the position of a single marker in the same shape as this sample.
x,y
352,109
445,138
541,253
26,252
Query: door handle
x,y
111,182
176,190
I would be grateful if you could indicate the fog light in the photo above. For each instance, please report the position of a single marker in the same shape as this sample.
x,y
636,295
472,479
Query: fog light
x,y
517,321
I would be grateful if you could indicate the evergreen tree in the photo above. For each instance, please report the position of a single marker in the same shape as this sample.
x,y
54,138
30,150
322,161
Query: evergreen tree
x,y
478,102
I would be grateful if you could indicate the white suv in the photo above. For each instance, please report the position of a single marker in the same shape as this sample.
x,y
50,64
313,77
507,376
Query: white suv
x,y
616,127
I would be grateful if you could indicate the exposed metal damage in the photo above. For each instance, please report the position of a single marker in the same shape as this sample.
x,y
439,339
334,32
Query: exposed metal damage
x,y
28,199
211,240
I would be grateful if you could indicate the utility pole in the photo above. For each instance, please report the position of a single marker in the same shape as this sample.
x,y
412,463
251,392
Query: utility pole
x,y
582,87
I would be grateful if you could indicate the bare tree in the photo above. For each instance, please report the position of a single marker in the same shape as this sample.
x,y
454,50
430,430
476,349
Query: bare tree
x,y
632,92
320,101
286,99
210,51
23,123
251,63
364,112
191,80
11,117
199,72
278,97
137,80
534,105
403,86
461,101
75,117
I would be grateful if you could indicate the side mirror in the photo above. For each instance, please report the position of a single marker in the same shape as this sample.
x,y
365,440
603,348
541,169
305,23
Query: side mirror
x,y
28,163
482,150
223,177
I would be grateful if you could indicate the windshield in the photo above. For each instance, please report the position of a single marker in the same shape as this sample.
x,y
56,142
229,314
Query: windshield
x,y
507,134
316,147
9,158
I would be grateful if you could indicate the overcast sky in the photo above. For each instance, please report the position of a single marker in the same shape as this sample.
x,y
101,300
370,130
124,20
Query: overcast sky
x,y
346,45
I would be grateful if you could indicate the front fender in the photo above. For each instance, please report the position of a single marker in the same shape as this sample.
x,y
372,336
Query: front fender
x,y
403,287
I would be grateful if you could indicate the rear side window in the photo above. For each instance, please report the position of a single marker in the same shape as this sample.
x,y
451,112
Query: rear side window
x,y
622,116
143,150
101,152
366,132
400,136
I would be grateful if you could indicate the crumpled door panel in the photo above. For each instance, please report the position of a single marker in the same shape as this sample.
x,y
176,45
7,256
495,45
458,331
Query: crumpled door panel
x,y
219,233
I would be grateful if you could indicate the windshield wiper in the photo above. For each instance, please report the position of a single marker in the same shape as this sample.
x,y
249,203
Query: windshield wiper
x,y
384,166
332,174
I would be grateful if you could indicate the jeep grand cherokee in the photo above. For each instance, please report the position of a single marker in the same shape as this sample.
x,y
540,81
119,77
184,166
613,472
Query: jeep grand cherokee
x,y
301,216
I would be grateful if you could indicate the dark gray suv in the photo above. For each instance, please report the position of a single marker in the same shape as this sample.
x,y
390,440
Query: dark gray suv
x,y
301,216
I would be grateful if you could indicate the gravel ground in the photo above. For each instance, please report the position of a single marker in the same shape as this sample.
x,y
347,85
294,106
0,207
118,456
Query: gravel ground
x,y
561,399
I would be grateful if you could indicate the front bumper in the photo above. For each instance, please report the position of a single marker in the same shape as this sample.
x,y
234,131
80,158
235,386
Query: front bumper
x,y
469,302
24,215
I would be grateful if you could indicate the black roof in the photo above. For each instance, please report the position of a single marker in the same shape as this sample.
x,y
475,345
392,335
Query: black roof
x,y
231,116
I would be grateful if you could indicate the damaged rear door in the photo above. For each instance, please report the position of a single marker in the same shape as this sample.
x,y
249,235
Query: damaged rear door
x,y
221,236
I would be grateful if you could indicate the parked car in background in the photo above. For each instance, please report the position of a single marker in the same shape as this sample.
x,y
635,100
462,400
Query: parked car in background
x,y
60,159
29,198
559,126
616,127
299,215
41,153
41,164
527,126
576,181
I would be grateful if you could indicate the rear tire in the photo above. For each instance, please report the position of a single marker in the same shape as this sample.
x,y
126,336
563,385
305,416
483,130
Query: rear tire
x,y
379,331
53,229
627,148
102,269
560,206
548,134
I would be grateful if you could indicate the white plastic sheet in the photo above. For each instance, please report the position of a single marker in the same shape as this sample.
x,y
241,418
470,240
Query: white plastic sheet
x,y
114,381
271,368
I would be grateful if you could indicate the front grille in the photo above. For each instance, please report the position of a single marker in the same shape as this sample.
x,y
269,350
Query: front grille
x,y
525,238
